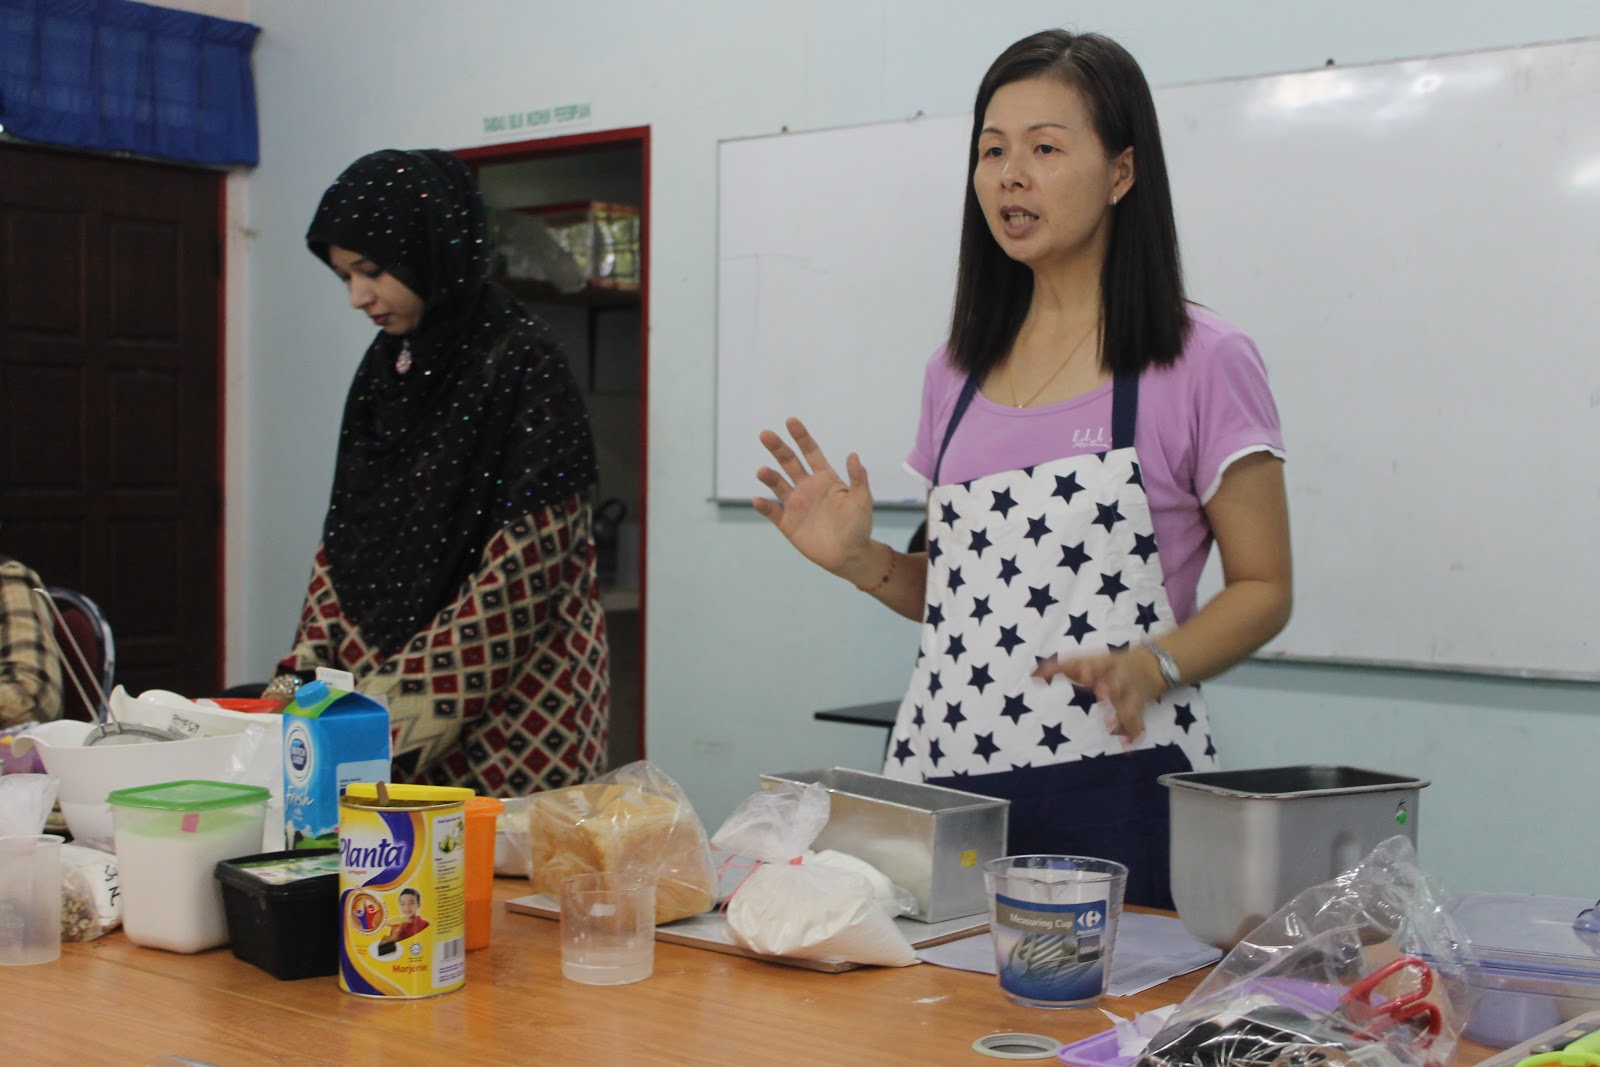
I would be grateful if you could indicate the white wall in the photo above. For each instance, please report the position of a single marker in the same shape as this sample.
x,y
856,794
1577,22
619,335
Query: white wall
x,y
238,10
240,448
744,640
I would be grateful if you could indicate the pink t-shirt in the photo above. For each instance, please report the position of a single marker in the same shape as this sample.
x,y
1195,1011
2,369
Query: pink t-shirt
x,y
1195,418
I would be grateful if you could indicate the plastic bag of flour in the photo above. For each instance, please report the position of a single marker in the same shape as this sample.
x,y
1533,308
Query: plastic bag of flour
x,y
810,905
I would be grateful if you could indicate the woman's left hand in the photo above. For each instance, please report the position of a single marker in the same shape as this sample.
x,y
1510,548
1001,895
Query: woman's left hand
x,y
1129,681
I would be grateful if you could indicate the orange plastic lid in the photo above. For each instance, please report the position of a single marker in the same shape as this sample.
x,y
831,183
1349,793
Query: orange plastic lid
x,y
250,704
484,806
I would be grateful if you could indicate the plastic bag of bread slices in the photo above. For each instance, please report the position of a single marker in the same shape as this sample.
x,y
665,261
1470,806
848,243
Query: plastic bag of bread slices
x,y
634,816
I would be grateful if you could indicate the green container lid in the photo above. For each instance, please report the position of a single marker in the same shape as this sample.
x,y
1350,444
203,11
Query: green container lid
x,y
190,796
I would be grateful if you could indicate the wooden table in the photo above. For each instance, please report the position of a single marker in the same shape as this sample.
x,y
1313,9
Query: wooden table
x,y
111,1002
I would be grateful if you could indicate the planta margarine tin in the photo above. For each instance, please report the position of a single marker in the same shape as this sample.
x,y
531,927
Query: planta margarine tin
x,y
402,890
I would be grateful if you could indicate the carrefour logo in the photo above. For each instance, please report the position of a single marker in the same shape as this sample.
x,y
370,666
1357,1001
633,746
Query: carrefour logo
x,y
297,753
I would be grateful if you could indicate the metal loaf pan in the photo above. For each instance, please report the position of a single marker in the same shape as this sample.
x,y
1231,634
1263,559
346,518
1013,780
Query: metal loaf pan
x,y
1245,842
931,841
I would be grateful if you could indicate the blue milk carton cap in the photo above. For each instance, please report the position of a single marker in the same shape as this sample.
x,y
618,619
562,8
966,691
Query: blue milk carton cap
x,y
311,693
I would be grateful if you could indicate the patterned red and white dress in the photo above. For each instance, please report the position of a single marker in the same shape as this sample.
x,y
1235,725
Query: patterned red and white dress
x,y
507,689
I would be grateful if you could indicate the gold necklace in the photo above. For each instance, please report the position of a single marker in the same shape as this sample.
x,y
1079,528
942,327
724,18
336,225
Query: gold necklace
x,y
1011,380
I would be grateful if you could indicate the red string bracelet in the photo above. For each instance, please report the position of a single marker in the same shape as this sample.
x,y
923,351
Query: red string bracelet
x,y
887,574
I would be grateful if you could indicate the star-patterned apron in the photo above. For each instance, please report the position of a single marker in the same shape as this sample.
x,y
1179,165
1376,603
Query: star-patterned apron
x,y
1054,559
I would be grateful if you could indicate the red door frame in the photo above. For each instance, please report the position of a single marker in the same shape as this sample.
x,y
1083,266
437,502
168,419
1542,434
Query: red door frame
x,y
578,144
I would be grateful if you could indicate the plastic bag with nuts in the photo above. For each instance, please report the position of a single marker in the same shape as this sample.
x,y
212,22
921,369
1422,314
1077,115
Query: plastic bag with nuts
x,y
91,904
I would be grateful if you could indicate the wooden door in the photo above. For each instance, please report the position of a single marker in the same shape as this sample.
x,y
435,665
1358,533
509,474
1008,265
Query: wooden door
x,y
109,370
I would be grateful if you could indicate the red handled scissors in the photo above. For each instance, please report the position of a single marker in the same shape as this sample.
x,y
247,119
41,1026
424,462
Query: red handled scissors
x,y
1372,1019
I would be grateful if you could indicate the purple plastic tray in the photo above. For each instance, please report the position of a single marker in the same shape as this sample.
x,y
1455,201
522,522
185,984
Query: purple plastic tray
x,y
1097,1051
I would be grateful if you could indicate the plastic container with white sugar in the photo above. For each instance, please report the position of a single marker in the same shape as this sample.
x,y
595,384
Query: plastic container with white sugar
x,y
169,839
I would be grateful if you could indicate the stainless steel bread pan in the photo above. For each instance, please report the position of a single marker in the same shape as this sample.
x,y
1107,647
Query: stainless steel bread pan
x,y
1245,842
929,840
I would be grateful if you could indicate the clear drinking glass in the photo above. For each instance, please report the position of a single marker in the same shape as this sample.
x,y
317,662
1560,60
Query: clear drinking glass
x,y
608,927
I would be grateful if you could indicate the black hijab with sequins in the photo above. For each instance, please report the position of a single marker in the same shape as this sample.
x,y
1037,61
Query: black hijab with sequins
x,y
485,424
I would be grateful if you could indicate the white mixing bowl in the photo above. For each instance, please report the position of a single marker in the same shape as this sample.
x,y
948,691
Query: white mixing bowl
x,y
89,774
159,707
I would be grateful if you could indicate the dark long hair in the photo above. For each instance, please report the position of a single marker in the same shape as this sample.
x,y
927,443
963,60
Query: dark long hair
x,y
1141,285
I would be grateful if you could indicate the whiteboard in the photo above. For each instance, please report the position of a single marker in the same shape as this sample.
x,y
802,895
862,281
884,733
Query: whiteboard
x,y
836,269
1415,247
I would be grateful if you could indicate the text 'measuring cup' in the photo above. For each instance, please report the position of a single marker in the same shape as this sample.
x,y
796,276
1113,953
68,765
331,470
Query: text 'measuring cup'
x,y
30,899
608,927
1054,921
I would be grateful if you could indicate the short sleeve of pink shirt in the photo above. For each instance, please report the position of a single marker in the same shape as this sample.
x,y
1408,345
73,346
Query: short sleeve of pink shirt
x,y
1210,407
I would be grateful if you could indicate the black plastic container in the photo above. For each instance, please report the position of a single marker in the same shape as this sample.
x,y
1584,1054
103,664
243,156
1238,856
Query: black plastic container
x,y
283,911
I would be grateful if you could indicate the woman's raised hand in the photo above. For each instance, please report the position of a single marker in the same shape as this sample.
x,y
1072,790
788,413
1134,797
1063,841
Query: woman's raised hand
x,y
829,521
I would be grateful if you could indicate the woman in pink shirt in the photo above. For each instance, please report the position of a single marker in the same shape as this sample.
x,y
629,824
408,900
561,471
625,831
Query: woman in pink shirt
x,y
1086,434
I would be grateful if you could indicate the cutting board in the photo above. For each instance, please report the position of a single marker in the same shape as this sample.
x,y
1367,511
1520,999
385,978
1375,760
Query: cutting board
x,y
710,931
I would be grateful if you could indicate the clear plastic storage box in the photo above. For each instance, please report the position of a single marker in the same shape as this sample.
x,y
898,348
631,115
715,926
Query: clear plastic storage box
x,y
170,838
1536,970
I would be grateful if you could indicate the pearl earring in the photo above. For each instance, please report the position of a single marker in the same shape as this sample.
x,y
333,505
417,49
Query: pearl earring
x,y
1113,199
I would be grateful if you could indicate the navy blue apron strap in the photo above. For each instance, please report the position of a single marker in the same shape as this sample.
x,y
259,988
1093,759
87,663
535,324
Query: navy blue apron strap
x,y
1124,409
968,391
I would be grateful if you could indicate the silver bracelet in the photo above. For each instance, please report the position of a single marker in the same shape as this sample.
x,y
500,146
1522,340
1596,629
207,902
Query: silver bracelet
x,y
1167,665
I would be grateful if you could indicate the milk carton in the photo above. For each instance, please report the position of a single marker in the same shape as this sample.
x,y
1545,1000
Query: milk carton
x,y
331,737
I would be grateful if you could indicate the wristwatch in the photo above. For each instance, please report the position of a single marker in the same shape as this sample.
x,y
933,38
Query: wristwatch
x,y
1167,665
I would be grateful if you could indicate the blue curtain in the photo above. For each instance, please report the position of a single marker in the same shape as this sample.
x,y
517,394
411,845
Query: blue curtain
x,y
121,76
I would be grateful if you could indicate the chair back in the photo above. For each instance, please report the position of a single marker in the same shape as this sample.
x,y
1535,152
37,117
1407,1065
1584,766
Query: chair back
x,y
92,634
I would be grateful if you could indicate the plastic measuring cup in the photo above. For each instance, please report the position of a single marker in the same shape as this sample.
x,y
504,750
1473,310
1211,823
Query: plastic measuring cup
x,y
481,814
1054,920
30,899
608,926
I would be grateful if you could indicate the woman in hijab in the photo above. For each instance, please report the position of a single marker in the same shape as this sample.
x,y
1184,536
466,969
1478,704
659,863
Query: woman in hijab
x,y
456,575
